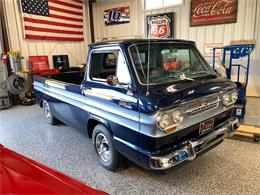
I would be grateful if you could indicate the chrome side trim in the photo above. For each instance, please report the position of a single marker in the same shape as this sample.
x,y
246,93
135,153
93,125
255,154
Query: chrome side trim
x,y
126,143
99,107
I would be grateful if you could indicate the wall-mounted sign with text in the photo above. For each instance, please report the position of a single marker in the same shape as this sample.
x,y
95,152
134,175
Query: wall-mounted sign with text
x,y
119,15
208,49
206,12
160,25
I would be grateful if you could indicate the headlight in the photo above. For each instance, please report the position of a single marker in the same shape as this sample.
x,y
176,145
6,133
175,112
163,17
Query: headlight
x,y
168,121
229,98
165,121
177,116
226,99
234,96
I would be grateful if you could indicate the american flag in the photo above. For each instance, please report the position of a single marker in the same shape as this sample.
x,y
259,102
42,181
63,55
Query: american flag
x,y
60,20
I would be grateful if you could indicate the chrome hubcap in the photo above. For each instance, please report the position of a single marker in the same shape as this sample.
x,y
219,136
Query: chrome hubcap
x,y
47,111
102,147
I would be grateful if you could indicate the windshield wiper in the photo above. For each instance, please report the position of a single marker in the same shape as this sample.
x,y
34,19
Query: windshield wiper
x,y
183,77
180,77
199,72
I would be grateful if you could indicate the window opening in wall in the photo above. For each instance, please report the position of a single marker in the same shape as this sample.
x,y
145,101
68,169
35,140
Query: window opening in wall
x,y
158,4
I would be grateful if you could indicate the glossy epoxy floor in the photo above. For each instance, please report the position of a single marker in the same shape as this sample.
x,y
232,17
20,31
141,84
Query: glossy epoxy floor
x,y
231,168
252,116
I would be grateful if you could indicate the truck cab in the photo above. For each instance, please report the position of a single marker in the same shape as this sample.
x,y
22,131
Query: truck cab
x,y
156,102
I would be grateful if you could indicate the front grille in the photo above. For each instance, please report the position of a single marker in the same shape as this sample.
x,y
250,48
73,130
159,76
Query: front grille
x,y
202,106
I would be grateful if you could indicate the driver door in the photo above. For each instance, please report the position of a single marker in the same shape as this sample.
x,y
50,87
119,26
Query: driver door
x,y
116,105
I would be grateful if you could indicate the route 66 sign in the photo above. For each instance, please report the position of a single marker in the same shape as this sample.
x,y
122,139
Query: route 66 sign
x,y
119,15
160,25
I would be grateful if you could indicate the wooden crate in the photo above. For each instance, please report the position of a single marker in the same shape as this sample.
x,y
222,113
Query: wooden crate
x,y
249,131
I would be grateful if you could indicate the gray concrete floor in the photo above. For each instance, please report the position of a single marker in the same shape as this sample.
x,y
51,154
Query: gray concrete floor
x,y
252,116
231,168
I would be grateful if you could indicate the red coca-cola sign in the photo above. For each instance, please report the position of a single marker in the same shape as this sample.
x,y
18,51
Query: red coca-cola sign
x,y
160,26
205,12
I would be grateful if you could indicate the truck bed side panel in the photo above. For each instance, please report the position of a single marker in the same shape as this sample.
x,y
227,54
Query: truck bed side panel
x,y
73,108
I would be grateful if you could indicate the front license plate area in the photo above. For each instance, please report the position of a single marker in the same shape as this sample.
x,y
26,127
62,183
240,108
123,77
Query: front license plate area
x,y
206,126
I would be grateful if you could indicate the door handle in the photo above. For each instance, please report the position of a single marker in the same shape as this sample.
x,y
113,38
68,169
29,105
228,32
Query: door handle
x,y
84,90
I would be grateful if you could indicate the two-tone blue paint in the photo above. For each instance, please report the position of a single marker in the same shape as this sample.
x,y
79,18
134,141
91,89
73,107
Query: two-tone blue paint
x,y
130,117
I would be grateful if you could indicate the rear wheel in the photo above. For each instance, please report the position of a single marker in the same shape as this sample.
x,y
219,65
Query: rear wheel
x,y
48,114
105,150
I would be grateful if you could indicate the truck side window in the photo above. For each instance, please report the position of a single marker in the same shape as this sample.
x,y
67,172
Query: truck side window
x,y
103,64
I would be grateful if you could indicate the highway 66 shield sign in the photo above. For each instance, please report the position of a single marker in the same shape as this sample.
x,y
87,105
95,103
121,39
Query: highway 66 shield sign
x,y
159,26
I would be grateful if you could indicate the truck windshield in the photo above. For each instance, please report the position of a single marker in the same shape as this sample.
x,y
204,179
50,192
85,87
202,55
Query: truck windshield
x,y
167,62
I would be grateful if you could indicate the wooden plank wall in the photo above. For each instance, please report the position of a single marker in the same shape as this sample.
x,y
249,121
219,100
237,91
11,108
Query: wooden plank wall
x,y
247,27
76,50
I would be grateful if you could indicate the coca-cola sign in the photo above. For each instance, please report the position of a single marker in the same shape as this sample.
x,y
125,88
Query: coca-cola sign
x,y
205,12
160,25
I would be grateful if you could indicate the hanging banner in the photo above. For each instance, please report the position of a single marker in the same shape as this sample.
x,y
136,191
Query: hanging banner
x,y
206,12
119,15
160,25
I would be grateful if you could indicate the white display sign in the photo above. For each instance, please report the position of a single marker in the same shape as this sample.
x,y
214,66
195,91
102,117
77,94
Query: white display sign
x,y
208,49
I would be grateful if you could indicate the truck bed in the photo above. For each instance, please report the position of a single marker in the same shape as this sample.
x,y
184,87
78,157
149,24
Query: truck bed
x,y
74,77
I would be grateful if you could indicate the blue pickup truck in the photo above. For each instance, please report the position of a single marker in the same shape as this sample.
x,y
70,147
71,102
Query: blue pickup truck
x,y
156,102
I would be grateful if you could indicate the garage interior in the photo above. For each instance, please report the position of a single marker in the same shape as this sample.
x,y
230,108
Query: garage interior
x,y
232,167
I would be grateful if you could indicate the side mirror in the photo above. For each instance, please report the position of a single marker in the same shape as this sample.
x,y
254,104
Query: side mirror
x,y
112,80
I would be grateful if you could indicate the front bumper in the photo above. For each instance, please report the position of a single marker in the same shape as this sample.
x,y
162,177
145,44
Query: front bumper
x,y
190,149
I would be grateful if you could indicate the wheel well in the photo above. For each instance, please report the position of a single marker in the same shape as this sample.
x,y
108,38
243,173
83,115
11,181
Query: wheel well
x,y
41,103
93,122
91,125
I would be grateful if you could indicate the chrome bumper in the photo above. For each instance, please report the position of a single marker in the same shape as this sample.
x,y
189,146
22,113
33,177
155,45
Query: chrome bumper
x,y
190,149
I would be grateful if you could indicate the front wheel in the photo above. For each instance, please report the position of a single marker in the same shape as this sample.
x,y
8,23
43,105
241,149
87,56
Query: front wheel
x,y
106,153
